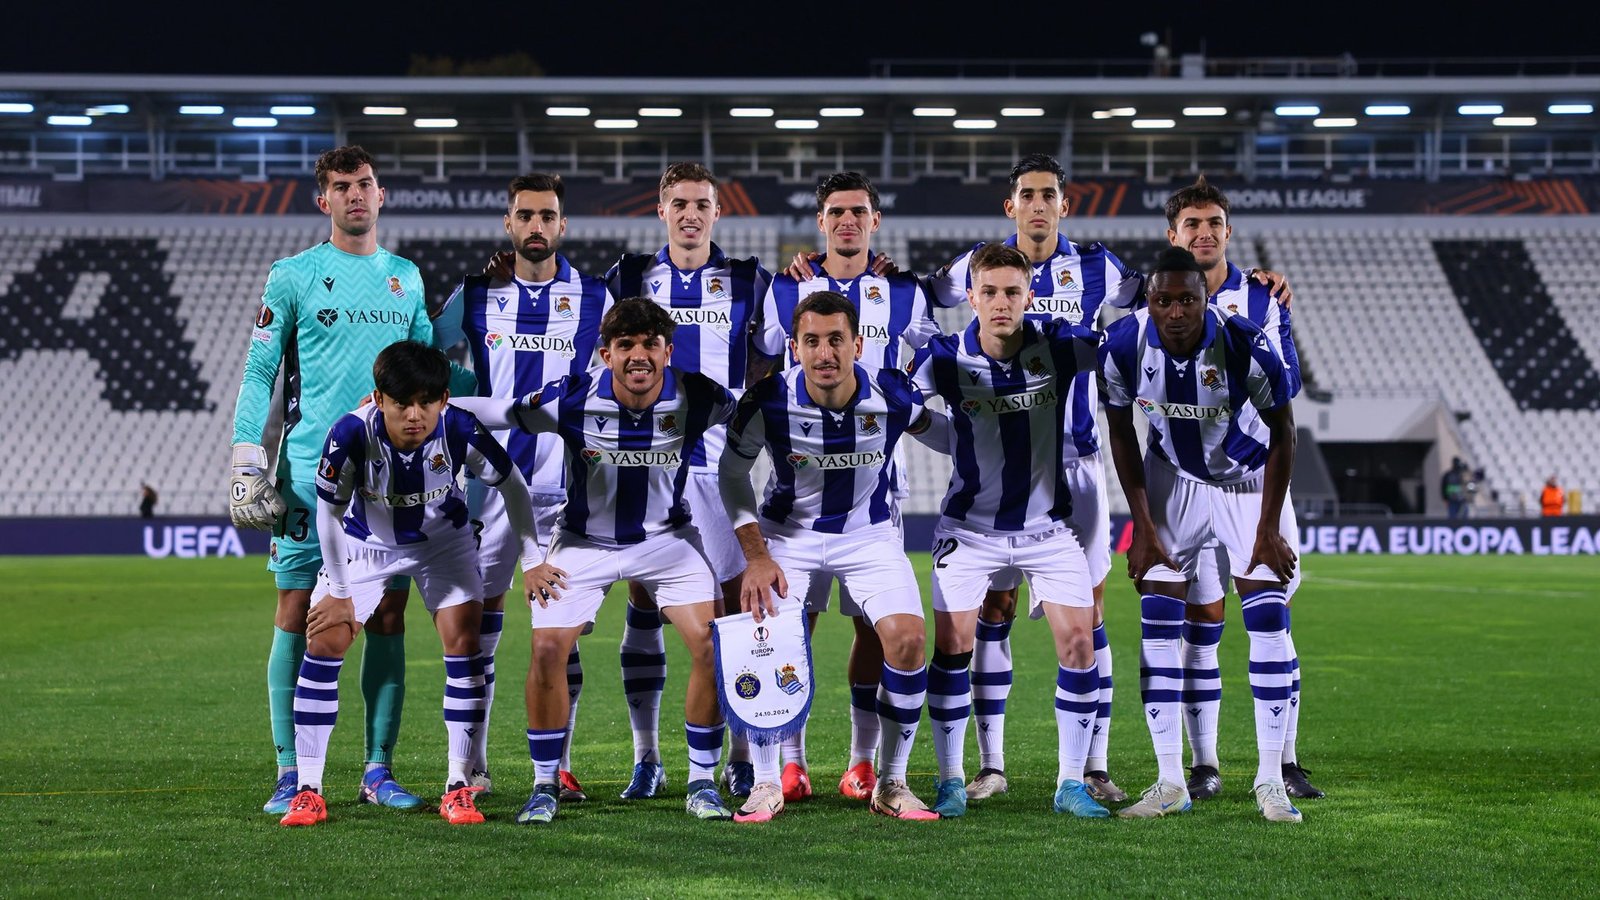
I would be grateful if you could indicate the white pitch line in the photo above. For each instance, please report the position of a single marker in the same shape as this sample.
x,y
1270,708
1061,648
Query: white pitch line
x,y
1450,588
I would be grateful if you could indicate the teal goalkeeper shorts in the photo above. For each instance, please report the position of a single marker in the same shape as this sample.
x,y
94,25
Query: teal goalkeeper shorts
x,y
295,556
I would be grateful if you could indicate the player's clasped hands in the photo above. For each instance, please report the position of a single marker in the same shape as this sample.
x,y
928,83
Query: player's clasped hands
x,y
544,583
1272,551
762,577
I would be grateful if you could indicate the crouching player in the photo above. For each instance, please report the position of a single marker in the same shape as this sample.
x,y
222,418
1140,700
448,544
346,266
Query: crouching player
x,y
831,430
627,426
389,503
1221,450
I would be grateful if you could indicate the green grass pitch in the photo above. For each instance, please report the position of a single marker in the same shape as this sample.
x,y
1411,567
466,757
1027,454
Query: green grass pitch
x,y
1452,712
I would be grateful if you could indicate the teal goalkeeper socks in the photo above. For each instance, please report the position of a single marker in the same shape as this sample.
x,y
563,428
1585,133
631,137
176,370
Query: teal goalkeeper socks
x,y
283,668
383,684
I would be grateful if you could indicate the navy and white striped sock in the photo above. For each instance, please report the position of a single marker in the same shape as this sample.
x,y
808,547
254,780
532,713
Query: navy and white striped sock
x,y
574,691
1102,717
1266,618
316,708
991,685
1077,704
949,706
901,695
644,677
464,699
705,749
489,631
1202,690
1161,680
865,729
544,747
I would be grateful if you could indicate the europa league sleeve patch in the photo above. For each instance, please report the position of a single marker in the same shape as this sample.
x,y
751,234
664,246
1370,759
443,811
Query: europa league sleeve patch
x,y
764,673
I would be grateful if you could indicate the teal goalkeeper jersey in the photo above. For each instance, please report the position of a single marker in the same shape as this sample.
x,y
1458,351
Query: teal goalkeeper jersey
x,y
324,316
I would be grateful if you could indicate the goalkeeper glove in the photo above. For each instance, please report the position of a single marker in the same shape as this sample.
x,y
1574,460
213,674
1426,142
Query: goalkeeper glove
x,y
252,500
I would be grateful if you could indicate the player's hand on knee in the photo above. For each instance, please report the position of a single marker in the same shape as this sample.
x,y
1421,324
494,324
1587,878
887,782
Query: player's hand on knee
x,y
330,614
501,266
252,500
800,267
1272,551
761,578
1278,284
544,583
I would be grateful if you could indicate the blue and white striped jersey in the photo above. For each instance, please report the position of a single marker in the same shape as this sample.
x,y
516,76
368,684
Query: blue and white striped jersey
x,y
831,469
398,498
1202,409
893,310
713,307
1073,284
1008,422
1241,296
625,468
522,336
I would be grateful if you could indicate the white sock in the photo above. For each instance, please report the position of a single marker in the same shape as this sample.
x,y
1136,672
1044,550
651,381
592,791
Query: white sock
x,y
991,685
1077,703
901,694
1202,690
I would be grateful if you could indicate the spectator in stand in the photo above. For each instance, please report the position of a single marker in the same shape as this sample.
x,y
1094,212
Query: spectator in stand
x,y
148,498
1552,500
1454,488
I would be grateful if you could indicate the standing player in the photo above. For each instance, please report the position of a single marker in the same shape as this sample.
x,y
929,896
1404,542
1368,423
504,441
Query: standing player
x,y
524,331
713,299
389,504
892,310
1199,220
830,429
324,316
1008,383
1070,282
1221,450
627,427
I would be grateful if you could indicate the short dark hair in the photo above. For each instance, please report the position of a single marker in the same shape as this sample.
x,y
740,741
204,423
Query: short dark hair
x,y
1177,259
827,303
677,173
409,370
845,181
636,315
538,181
998,256
343,160
1201,193
1037,162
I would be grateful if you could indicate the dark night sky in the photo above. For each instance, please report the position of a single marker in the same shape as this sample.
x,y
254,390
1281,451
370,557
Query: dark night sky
x,y
376,38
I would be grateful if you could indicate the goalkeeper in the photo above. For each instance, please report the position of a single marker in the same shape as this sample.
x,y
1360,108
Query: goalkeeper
x,y
325,314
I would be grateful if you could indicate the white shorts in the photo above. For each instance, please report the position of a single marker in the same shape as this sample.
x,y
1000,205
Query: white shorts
x,y
966,563
710,518
868,562
446,574
1191,514
671,566
1210,584
499,551
1090,521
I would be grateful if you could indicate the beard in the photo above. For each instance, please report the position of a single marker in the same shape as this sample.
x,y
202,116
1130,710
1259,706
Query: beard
x,y
536,254
848,252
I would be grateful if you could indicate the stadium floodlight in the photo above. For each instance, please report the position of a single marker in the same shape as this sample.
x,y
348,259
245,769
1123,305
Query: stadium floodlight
x,y
1571,109
107,109
1205,111
1515,121
841,112
1116,112
200,110
796,124
1022,112
434,123
1480,109
383,110
1154,123
69,120
1303,109
973,124
751,112
1334,122
575,112
16,109
254,122
934,112
1388,109
660,112
616,124
293,110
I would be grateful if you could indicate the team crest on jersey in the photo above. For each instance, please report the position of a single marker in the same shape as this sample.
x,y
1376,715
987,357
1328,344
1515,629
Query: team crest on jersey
x,y
395,288
875,295
1233,308
437,465
1035,366
264,317
1064,280
788,680
1209,379
714,288
668,425
799,460
327,317
869,424
747,685
494,340
564,307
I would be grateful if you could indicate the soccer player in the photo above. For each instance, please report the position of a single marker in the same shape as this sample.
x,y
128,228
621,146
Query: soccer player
x,y
627,427
538,324
1009,383
388,503
1217,468
1199,220
1069,282
830,428
713,298
324,316
892,310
